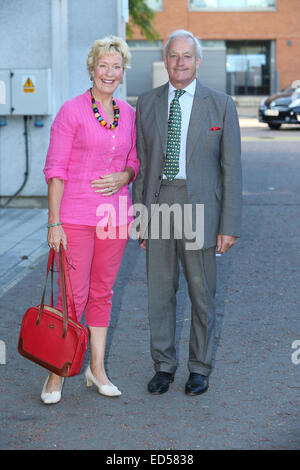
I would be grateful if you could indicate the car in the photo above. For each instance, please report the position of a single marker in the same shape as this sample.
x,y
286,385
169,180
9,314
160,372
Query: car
x,y
281,108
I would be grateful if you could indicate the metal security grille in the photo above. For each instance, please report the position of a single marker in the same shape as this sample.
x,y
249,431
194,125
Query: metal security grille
x,y
232,4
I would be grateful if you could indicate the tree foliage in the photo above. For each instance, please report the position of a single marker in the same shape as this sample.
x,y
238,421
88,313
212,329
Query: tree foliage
x,y
141,16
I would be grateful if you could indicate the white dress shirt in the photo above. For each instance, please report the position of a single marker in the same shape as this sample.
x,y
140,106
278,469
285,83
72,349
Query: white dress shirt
x,y
186,103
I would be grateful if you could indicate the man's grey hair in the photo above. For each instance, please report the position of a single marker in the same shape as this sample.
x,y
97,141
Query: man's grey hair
x,y
186,34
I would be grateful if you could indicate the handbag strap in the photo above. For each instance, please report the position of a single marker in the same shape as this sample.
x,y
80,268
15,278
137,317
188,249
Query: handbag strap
x,y
65,286
67,282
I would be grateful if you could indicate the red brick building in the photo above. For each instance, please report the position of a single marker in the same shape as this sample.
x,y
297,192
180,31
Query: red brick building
x,y
261,38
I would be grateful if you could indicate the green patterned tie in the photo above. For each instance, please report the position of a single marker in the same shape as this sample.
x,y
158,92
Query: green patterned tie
x,y
174,130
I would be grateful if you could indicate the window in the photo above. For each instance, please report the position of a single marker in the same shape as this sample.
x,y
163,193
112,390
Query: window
x,y
249,5
212,44
156,5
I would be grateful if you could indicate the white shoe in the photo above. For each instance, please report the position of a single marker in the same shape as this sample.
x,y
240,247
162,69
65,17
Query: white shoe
x,y
50,398
109,390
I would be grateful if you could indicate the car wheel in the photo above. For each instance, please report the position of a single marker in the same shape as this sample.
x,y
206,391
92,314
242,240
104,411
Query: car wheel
x,y
274,126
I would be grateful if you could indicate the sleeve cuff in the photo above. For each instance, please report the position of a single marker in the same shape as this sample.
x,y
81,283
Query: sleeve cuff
x,y
135,168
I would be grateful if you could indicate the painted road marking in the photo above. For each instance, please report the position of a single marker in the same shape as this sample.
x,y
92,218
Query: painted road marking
x,y
271,139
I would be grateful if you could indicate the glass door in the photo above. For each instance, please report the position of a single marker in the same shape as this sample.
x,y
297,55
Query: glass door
x,y
248,67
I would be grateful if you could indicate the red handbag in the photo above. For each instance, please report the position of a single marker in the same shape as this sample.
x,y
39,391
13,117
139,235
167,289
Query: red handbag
x,y
48,337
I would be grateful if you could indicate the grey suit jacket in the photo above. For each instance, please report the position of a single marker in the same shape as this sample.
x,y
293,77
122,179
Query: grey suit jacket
x,y
213,157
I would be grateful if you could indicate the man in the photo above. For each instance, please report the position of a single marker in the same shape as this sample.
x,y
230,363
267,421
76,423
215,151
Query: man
x,y
188,142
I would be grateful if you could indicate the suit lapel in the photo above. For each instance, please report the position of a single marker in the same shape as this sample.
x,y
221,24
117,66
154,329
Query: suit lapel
x,y
197,120
161,115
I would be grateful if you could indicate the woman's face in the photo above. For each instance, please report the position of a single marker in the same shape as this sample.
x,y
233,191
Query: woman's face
x,y
108,73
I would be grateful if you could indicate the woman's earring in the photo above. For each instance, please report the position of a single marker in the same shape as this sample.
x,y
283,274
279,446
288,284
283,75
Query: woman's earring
x,y
92,77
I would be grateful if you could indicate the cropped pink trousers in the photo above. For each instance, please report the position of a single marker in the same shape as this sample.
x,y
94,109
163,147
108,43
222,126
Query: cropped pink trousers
x,y
94,267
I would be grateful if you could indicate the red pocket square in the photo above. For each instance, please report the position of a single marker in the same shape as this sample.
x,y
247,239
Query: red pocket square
x,y
215,128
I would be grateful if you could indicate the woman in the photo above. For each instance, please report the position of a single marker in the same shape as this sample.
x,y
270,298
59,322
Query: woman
x,y
90,162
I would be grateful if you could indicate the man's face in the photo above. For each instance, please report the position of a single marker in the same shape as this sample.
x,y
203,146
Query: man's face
x,y
181,62
108,73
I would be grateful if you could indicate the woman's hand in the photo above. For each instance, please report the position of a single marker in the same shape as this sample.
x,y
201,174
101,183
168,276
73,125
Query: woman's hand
x,y
56,236
142,242
224,242
112,183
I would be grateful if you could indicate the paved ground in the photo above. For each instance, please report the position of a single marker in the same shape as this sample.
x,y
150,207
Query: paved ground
x,y
253,400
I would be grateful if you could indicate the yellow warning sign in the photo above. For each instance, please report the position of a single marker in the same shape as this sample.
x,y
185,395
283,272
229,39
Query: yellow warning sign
x,y
29,86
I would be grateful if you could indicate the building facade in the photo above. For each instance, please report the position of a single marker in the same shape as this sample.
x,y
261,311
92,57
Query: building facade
x,y
52,36
251,47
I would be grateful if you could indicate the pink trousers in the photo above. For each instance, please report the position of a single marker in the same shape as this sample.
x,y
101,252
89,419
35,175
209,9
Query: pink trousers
x,y
96,262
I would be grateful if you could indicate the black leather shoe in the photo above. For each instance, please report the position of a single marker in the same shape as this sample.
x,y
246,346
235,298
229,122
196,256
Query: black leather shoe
x,y
196,384
160,383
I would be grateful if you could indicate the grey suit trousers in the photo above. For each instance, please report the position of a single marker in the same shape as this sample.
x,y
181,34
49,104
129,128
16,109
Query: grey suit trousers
x,y
199,266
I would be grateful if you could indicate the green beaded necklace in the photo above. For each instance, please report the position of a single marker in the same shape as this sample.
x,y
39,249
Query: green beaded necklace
x,y
103,123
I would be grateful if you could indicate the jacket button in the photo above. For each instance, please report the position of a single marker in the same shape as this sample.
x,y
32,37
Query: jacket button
x,y
156,194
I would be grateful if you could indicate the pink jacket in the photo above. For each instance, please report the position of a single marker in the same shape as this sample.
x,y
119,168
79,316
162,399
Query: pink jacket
x,y
81,150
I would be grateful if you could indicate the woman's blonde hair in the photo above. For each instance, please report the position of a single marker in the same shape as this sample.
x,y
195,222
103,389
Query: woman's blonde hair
x,y
108,45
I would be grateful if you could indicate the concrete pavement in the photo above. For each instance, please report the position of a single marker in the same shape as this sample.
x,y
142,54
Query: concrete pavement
x,y
253,399
23,233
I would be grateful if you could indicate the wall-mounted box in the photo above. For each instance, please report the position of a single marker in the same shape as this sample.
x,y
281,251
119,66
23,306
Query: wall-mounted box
x,y
5,95
31,92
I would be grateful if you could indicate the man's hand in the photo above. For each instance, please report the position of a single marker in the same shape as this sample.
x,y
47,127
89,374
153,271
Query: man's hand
x,y
112,183
56,236
224,242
